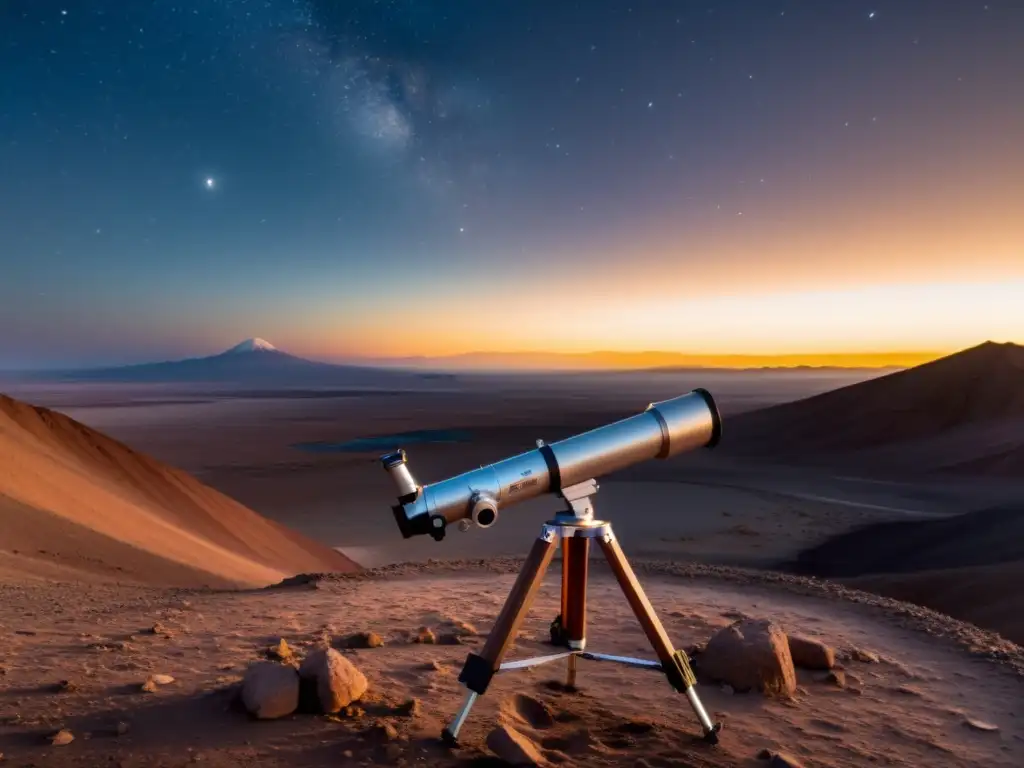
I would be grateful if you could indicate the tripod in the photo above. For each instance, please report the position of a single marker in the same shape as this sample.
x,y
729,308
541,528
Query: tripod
x,y
574,528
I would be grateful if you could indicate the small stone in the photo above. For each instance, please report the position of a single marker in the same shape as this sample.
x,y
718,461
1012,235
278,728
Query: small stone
x,y
834,677
809,653
980,725
463,629
162,679
449,638
338,682
866,657
347,753
62,738
149,686
384,731
270,690
425,635
281,651
765,754
66,686
364,640
122,728
410,708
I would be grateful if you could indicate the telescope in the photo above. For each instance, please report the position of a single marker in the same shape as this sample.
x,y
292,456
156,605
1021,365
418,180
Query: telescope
x,y
663,430
569,469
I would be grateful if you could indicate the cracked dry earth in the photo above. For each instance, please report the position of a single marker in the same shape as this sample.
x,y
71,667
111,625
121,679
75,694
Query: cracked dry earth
x,y
74,657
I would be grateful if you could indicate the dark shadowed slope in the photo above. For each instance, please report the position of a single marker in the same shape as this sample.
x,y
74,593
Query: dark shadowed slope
x,y
986,537
71,497
962,412
969,566
988,596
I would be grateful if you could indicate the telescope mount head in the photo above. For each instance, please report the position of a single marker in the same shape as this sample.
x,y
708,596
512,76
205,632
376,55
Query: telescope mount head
x,y
579,501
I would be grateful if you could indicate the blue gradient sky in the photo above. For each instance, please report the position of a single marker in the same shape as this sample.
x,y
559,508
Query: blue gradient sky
x,y
415,177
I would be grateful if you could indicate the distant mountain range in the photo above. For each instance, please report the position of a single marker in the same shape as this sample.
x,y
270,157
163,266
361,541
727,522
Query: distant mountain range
x,y
254,362
653,361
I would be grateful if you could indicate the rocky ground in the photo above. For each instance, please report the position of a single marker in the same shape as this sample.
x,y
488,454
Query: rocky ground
x,y
95,675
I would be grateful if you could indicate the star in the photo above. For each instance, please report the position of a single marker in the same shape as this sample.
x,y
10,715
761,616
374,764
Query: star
x,y
871,15
210,182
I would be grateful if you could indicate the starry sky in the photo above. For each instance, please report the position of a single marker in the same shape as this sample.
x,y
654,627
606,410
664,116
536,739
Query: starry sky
x,y
409,177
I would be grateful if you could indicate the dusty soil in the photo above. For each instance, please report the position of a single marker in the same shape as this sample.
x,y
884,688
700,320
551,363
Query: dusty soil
x,y
914,707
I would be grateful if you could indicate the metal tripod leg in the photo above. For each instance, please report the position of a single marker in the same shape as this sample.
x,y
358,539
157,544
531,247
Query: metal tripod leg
x,y
674,663
480,668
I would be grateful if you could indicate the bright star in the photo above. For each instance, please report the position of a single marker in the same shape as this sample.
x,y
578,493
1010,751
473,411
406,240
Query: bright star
x,y
871,15
210,183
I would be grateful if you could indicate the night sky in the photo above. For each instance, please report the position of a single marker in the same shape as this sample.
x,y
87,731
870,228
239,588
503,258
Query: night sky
x,y
407,177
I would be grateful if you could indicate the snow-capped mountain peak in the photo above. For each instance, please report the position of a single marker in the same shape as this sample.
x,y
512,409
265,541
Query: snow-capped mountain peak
x,y
253,345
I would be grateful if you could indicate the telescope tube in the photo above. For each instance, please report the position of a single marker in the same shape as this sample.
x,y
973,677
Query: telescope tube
x,y
663,430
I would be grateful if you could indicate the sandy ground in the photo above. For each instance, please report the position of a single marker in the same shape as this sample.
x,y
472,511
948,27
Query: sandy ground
x,y
911,708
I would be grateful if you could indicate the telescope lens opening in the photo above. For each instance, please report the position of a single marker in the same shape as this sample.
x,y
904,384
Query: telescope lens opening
x,y
486,517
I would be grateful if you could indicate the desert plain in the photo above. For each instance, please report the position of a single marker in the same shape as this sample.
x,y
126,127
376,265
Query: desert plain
x,y
133,597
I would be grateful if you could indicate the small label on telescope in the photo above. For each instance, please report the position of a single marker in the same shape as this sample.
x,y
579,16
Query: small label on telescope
x,y
521,484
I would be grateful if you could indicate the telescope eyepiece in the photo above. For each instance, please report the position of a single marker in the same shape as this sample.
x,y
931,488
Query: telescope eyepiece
x,y
396,466
393,459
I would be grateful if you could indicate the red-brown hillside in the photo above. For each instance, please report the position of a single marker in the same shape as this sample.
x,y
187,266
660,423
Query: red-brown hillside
x,y
73,498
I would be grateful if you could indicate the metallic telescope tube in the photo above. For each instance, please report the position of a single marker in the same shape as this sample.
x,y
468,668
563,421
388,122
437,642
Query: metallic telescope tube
x,y
663,430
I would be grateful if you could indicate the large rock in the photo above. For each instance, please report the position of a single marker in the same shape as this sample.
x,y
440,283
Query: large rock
x,y
270,690
337,681
809,653
752,654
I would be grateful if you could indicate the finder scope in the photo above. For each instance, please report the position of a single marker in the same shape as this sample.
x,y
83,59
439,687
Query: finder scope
x,y
663,430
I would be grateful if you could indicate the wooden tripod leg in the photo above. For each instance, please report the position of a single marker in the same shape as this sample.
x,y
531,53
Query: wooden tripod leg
x,y
675,663
480,668
566,557
575,591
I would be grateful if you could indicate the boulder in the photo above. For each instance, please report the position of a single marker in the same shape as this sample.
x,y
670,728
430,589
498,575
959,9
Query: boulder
x,y
270,690
809,653
336,679
752,654
513,747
